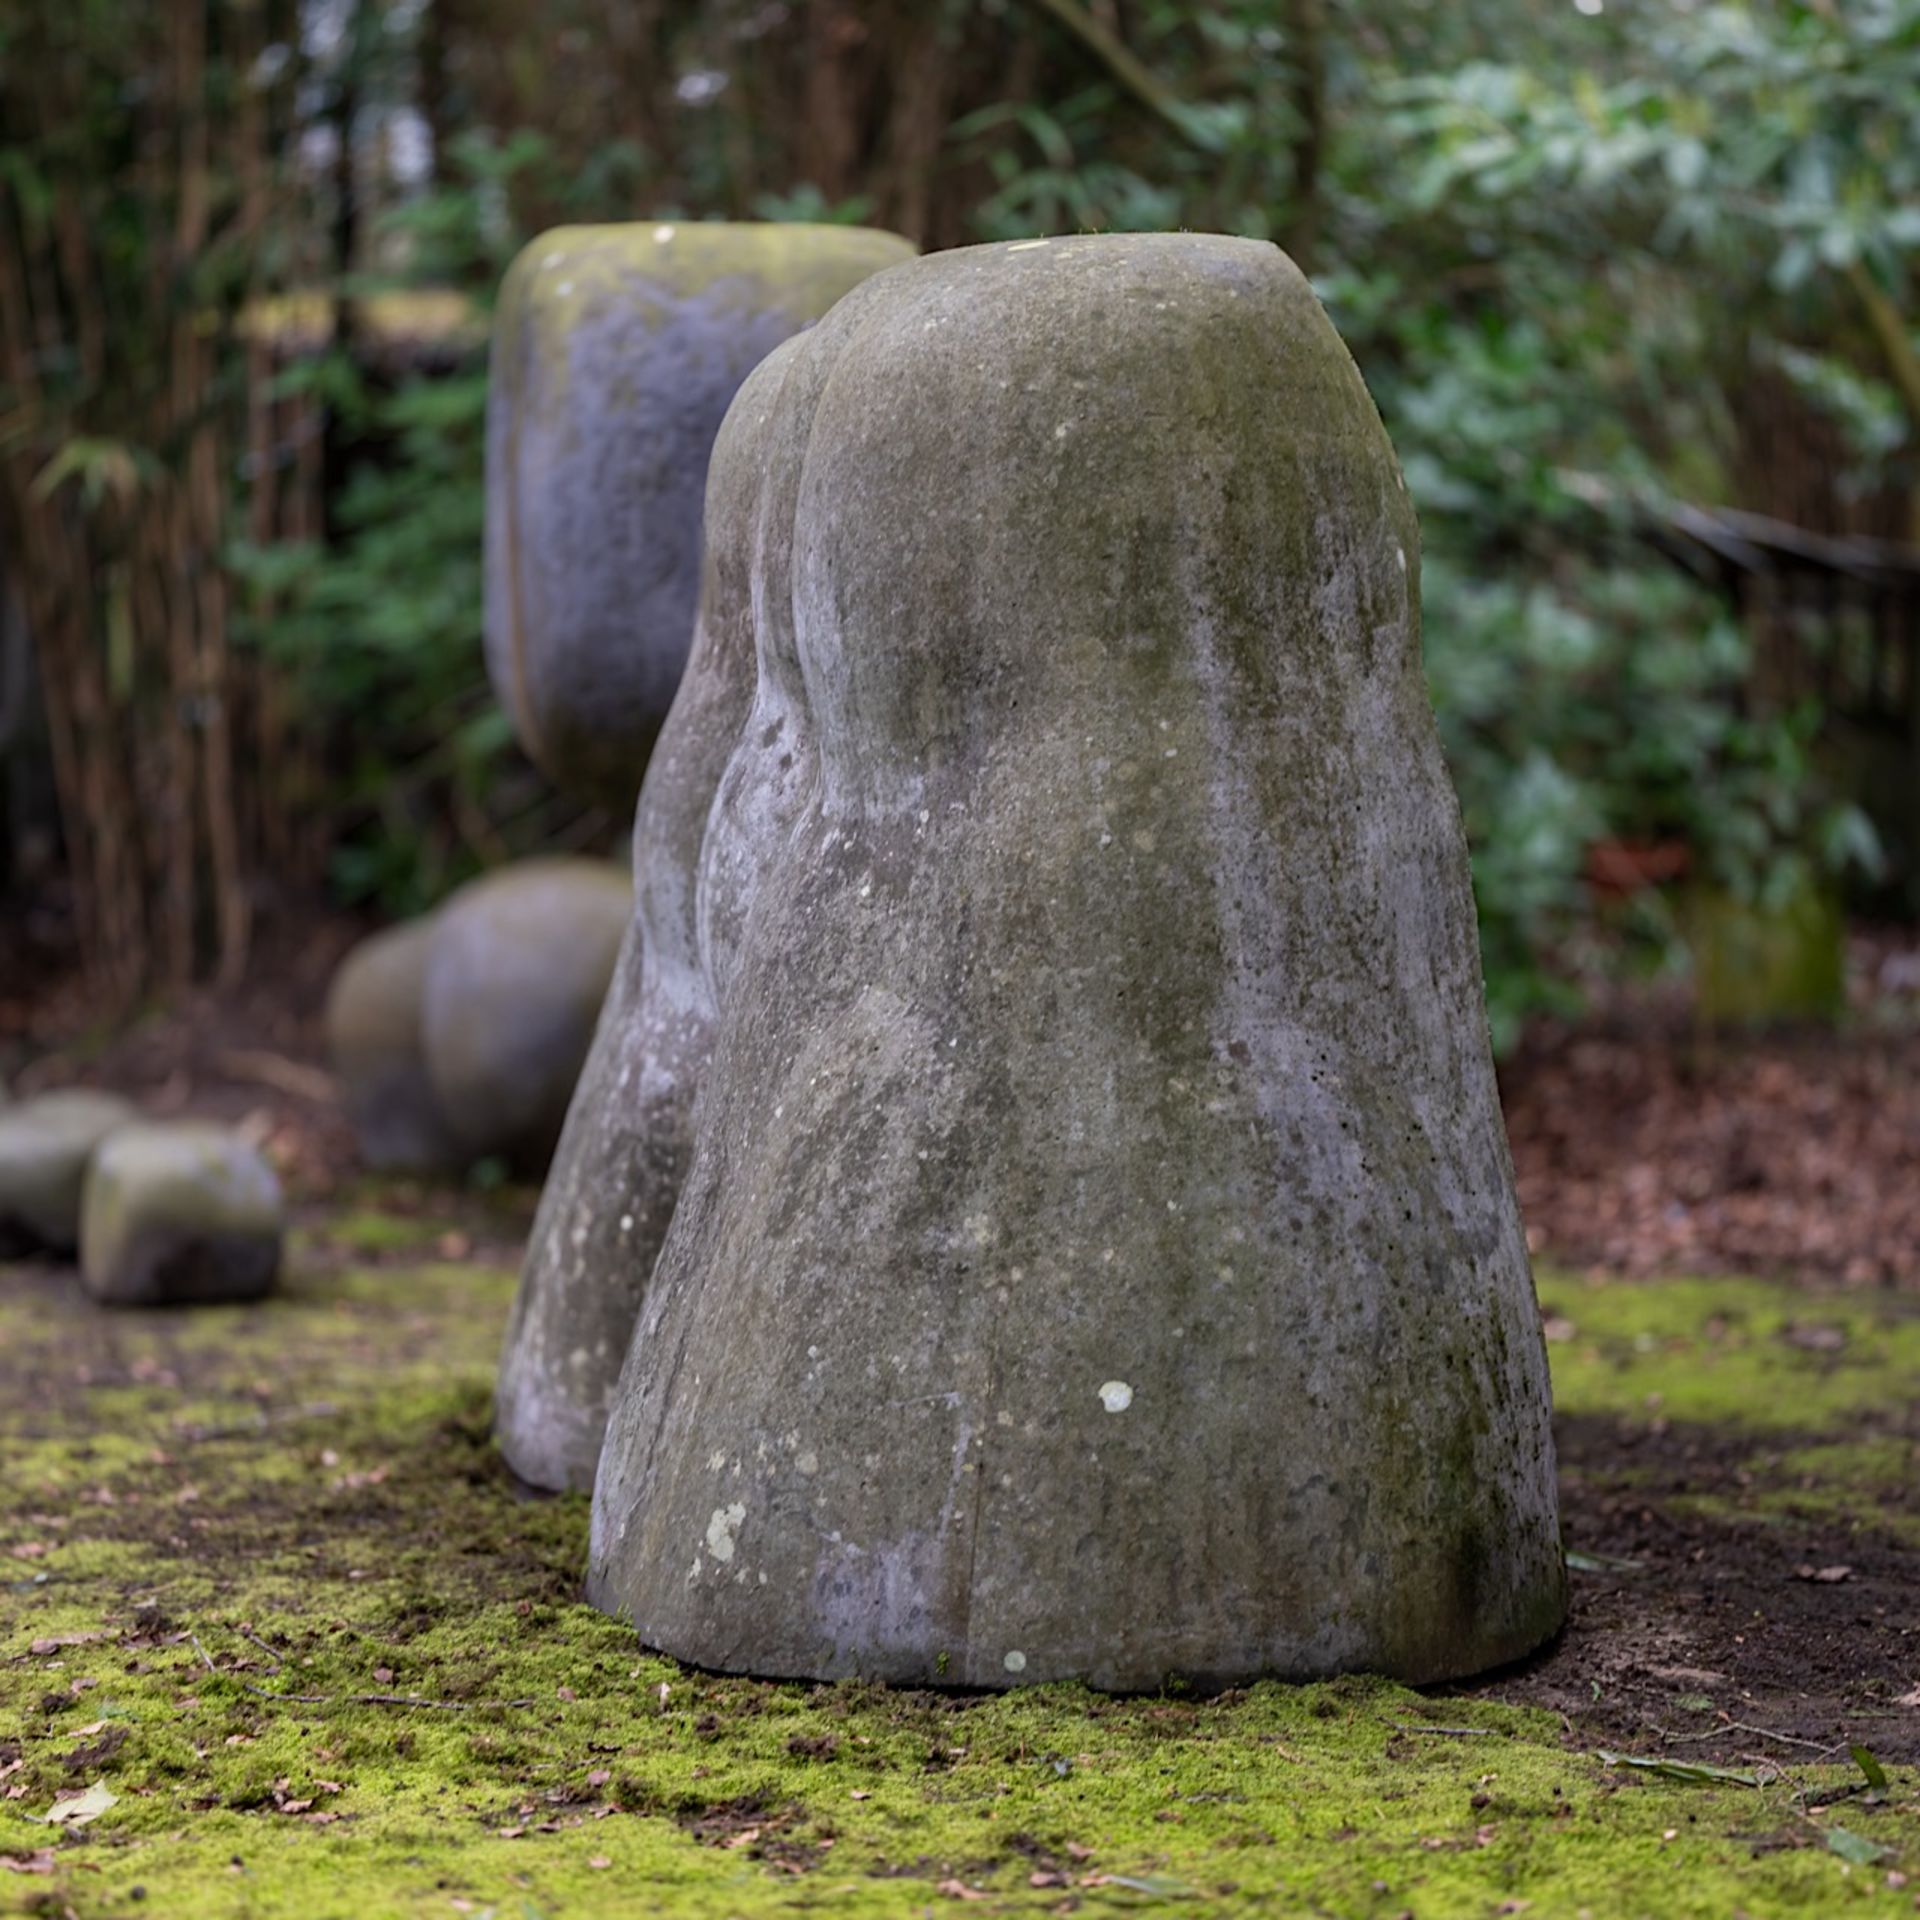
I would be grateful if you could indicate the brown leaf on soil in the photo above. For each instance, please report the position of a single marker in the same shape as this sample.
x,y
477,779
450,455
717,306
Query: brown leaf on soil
x,y
959,1890
1827,1576
38,1861
52,1642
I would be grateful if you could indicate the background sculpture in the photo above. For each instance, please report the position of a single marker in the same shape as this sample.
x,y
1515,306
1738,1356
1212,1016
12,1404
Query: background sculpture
x,y
1098,1255
616,350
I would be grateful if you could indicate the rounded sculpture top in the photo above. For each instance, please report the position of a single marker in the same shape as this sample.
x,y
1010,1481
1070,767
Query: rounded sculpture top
x,y
616,350
1135,450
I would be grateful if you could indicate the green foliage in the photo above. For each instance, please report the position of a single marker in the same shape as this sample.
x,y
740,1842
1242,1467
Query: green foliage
x,y
1559,244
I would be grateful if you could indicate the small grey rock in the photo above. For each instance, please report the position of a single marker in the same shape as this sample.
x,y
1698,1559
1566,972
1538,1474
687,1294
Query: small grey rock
x,y
517,968
180,1213
616,350
45,1144
376,1039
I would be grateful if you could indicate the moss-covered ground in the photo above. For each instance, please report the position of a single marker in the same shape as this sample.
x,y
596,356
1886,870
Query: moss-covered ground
x,y
268,1597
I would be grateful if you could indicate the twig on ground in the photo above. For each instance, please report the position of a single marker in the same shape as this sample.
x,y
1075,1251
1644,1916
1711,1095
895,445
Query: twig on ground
x,y
261,1644
1741,1726
1462,1733
261,1423
283,1075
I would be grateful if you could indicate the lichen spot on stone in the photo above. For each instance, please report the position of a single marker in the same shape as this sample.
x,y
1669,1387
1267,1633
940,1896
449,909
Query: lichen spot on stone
x,y
808,1463
1400,554
1015,1661
1024,246
663,234
1116,1396
626,1223
721,1529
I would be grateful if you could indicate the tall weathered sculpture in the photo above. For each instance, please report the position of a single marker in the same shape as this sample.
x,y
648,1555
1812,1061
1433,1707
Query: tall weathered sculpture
x,y
1098,1253
616,351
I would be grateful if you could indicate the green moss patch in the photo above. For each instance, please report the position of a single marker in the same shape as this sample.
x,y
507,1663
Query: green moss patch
x,y
264,1581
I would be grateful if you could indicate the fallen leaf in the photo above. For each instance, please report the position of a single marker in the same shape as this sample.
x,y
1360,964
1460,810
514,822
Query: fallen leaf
x,y
76,1809
959,1890
1827,1576
1043,1878
1868,1762
510,1833
1855,1847
861,1793
52,1642
39,1861
599,1862
1909,1699
30,1550
598,1777
565,1693
1693,1772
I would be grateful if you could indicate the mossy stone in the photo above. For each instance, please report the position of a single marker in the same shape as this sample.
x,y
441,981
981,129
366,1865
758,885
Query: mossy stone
x,y
1765,964
616,350
1098,1255
517,966
376,1041
45,1144
179,1213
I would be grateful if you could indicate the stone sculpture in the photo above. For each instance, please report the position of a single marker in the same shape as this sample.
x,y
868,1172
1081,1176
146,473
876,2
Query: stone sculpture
x,y
377,1043
1098,1254
617,1171
179,1214
45,1144
517,965
616,350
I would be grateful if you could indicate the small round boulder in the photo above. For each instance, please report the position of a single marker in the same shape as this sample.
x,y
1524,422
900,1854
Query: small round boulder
x,y
516,971
45,1144
180,1214
375,1040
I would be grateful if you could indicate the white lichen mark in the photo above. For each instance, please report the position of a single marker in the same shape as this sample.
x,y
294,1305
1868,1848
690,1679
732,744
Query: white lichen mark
x,y
721,1529
1116,1396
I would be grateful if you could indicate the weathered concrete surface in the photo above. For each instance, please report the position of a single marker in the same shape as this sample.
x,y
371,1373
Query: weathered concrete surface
x,y
45,1144
1099,1254
617,1172
517,967
616,351
375,1038
179,1213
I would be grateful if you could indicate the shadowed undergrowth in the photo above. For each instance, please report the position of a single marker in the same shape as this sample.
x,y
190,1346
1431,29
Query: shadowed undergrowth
x,y
264,1582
